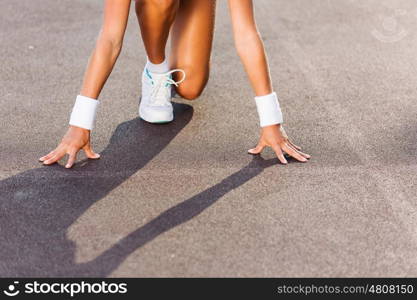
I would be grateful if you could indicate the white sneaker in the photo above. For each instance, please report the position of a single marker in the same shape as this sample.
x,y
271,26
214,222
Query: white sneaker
x,y
155,105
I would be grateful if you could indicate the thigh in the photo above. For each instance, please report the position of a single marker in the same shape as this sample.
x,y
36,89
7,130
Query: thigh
x,y
192,39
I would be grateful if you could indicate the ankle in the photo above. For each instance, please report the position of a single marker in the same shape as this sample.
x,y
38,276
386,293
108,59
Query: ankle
x,y
158,68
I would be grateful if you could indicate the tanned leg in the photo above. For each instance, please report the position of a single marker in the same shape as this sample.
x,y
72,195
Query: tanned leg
x,y
155,19
192,39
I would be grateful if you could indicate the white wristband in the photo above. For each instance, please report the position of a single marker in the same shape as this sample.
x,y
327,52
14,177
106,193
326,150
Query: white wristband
x,y
84,112
269,110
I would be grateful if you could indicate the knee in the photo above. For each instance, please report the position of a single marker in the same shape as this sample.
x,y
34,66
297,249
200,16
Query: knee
x,y
189,92
191,89
194,84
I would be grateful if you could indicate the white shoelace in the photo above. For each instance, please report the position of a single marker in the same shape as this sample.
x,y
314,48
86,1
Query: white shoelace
x,y
162,86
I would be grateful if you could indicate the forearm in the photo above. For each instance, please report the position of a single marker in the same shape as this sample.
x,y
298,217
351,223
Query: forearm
x,y
108,47
249,46
99,67
252,54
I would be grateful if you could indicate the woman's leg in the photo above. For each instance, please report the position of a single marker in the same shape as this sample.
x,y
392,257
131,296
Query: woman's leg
x,y
192,38
155,19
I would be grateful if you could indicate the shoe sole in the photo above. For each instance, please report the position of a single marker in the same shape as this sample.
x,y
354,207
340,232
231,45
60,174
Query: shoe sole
x,y
154,121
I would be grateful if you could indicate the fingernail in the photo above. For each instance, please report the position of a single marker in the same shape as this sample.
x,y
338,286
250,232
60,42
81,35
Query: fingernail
x,y
67,166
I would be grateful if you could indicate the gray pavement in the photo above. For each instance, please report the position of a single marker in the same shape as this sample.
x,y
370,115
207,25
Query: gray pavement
x,y
185,199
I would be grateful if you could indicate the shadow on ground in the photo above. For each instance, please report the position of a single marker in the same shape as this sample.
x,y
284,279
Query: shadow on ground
x,y
38,206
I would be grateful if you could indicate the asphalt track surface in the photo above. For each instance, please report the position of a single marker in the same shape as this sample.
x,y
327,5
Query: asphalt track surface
x,y
185,199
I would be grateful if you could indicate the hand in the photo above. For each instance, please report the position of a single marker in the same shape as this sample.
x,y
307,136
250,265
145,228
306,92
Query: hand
x,y
274,136
74,140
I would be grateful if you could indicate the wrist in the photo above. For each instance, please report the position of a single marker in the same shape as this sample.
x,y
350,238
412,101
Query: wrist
x,y
269,110
274,126
83,114
80,129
